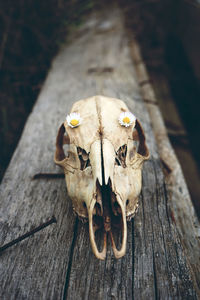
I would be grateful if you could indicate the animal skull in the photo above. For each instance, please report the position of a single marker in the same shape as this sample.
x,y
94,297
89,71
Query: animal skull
x,y
102,167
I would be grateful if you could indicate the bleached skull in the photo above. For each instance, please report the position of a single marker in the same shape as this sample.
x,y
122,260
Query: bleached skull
x,y
103,164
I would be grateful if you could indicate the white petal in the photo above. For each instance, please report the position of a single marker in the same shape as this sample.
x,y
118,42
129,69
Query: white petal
x,y
72,116
129,115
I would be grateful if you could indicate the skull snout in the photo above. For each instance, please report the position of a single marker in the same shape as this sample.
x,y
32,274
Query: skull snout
x,y
107,211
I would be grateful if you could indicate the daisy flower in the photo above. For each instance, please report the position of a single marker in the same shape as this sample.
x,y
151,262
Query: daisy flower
x,y
126,119
73,120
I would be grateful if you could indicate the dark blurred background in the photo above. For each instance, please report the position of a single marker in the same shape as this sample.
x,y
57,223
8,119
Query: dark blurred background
x,y
31,33
168,32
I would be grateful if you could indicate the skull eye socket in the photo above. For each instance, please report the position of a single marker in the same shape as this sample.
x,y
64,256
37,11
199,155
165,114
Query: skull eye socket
x,y
84,158
120,158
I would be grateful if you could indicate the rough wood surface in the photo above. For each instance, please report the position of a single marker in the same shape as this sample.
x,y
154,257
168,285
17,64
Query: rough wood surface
x,y
181,208
57,262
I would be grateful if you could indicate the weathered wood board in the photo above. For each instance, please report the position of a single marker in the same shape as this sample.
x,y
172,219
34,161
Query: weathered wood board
x,y
180,205
57,262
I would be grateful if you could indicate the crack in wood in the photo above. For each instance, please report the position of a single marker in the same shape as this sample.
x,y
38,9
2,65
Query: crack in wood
x,y
143,82
154,265
100,70
149,101
143,216
70,260
155,276
48,176
133,257
166,168
158,196
167,206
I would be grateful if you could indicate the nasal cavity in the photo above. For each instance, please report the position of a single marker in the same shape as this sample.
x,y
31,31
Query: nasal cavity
x,y
84,158
120,158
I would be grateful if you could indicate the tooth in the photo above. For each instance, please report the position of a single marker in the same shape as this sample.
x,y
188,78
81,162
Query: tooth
x,y
108,160
95,160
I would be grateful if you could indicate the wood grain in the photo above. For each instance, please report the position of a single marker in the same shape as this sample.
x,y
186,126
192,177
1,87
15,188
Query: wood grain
x,y
57,262
180,205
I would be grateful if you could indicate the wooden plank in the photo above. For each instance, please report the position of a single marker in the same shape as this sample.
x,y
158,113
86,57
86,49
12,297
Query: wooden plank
x,y
180,205
177,133
57,262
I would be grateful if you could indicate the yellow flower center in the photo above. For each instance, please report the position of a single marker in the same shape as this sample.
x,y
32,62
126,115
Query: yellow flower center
x,y
126,120
74,122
